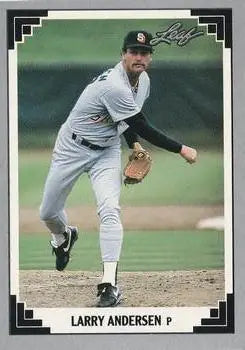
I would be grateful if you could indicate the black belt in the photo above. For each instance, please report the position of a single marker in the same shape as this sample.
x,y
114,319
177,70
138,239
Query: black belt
x,y
87,143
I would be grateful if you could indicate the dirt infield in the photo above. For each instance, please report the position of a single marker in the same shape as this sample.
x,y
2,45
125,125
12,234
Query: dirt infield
x,y
133,218
140,289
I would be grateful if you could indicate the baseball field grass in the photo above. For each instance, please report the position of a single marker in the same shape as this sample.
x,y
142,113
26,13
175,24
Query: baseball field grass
x,y
171,181
142,251
189,263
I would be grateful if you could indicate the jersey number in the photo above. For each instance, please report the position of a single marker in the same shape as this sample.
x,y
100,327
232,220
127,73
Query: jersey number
x,y
104,75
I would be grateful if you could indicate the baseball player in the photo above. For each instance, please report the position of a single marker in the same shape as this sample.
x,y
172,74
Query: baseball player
x,y
89,141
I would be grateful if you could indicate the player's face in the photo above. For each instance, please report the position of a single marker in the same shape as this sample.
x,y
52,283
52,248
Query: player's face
x,y
136,60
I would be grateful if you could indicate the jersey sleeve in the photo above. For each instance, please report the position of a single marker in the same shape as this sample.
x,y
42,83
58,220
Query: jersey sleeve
x,y
148,90
120,104
121,127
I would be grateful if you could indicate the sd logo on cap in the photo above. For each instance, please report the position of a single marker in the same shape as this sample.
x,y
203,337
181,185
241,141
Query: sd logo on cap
x,y
138,39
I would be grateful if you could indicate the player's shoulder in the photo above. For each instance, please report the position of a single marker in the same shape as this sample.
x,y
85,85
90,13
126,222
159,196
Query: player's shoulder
x,y
116,81
116,76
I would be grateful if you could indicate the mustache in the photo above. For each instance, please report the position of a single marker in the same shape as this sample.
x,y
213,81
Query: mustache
x,y
139,64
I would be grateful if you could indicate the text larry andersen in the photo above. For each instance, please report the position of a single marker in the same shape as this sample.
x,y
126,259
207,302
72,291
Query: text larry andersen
x,y
119,320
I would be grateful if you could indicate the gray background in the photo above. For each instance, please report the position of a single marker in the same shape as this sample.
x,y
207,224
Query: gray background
x,y
158,341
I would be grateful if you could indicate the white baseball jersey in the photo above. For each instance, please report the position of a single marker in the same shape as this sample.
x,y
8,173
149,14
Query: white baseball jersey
x,y
103,105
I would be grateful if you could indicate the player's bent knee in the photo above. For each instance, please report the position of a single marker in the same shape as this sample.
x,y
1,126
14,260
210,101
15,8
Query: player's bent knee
x,y
46,214
110,216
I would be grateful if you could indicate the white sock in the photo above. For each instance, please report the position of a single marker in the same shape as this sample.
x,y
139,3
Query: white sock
x,y
58,239
109,273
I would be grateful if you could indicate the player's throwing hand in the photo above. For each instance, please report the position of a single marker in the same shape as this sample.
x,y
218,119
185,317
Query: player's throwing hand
x,y
89,141
189,154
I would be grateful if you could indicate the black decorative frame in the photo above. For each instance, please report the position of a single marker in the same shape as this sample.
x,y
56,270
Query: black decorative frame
x,y
20,21
221,320
21,320
219,22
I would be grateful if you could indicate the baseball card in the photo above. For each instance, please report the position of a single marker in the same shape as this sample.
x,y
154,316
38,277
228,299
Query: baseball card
x,y
120,153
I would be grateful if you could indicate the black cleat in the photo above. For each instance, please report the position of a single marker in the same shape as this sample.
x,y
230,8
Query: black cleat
x,y
63,251
109,295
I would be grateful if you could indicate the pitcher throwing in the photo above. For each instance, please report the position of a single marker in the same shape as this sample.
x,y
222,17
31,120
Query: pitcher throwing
x,y
89,141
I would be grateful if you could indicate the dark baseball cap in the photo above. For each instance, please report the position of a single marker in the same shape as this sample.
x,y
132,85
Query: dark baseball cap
x,y
138,39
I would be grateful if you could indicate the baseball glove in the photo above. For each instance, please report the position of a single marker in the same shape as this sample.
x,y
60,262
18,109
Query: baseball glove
x,y
138,166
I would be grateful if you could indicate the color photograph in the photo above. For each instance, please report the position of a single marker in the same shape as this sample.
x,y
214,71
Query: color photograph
x,y
124,170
